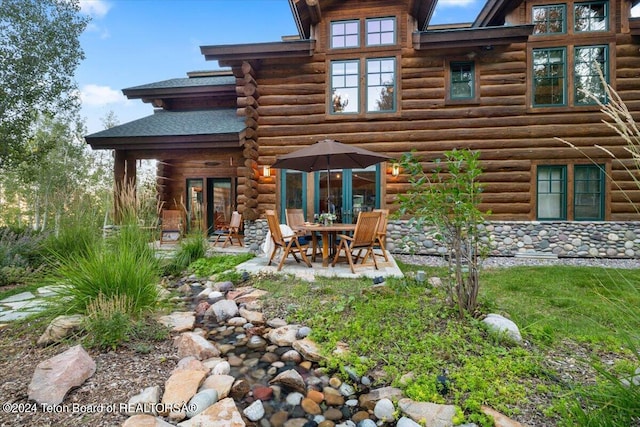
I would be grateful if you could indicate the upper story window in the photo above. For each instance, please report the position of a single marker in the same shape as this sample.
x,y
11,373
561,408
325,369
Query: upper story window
x,y
462,80
550,19
345,34
381,31
549,76
381,84
591,16
589,62
345,87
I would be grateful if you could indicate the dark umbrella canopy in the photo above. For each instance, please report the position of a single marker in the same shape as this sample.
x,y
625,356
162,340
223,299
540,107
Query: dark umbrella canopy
x,y
328,154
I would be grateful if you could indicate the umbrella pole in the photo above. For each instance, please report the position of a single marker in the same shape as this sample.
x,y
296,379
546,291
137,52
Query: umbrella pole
x,y
329,190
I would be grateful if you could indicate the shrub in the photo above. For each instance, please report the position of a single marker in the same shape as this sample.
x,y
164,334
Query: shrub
x,y
20,254
191,248
109,322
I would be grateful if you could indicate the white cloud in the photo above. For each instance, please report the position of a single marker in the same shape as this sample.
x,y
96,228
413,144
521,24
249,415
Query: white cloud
x,y
455,3
95,8
94,95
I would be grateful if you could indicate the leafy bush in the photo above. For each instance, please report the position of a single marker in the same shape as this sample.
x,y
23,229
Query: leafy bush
x,y
20,254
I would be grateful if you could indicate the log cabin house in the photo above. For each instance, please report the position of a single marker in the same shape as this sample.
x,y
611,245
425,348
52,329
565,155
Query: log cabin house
x,y
376,74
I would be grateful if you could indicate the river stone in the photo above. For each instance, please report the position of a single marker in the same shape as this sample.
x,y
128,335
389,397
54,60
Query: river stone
x,y
406,422
310,407
144,402
500,420
366,423
431,414
291,356
192,344
223,310
222,368
384,410
221,383
255,411
180,321
294,398
283,336
279,418
59,328
201,401
141,420
223,413
308,349
502,325
54,377
292,379
181,386
255,317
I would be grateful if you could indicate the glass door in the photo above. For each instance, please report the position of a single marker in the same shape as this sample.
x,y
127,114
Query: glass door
x,y
351,191
194,204
294,194
221,202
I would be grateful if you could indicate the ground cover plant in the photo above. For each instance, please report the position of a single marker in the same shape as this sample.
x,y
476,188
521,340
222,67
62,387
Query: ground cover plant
x,y
405,335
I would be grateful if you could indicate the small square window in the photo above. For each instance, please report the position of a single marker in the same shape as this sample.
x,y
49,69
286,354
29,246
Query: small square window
x,y
381,31
345,34
549,19
592,16
462,80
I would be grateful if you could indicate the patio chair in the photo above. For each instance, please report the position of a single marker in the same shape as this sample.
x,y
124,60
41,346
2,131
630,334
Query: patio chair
x,y
381,234
290,245
363,238
228,232
171,226
295,217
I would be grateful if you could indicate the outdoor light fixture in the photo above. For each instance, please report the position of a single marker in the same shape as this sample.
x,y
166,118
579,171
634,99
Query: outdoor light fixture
x,y
266,170
395,169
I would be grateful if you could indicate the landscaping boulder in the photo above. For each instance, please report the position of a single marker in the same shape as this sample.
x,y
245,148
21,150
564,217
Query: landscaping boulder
x,y
502,325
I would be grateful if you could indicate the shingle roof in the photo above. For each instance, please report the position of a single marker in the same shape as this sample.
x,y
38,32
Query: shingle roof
x,y
177,123
187,82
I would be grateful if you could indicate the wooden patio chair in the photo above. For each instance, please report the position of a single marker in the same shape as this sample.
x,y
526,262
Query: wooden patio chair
x,y
290,245
381,234
228,232
363,238
295,217
171,226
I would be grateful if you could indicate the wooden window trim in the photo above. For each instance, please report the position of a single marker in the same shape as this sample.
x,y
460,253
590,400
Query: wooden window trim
x,y
475,99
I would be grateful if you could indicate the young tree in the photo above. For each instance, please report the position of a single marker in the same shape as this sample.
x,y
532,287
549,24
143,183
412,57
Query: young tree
x,y
39,52
448,200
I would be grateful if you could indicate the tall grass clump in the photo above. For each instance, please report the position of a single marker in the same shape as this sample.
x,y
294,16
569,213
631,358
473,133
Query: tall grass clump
x,y
615,399
191,248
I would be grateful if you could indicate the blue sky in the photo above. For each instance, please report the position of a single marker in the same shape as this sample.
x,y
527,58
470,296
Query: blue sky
x,y
133,42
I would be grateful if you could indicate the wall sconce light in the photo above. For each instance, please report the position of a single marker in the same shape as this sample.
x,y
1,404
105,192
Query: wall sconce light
x,y
395,169
266,171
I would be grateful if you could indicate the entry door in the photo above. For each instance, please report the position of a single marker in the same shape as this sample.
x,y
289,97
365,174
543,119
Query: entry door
x,y
221,202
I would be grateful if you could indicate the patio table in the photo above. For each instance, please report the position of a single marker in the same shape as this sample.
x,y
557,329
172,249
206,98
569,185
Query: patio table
x,y
325,230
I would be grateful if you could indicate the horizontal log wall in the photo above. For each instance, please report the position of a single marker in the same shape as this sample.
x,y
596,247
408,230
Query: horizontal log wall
x,y
511,137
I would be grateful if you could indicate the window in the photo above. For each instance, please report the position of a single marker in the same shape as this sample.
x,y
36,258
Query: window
x,y
381,84
549,19
588,192
345,34
462,82
549,83
552,192
345,90
589,62
381,31
592,16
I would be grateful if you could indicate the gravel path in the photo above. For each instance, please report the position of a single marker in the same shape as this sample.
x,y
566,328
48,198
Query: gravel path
x,y
501,262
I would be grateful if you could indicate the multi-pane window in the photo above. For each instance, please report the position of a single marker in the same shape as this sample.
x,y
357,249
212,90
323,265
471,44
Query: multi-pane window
x,y
588,192
381,84
345,90
462,80
552,192
549,19
591,16
549,72
589,63
345,34
381,31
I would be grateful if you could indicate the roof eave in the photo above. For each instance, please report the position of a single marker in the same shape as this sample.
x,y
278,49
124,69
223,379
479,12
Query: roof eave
x,y
228,54
493,12
634,26
471,37
178,142
181,92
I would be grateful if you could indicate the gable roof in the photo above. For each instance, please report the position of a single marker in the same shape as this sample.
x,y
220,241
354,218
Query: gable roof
x,y
183,129
307,13
494,11
184,86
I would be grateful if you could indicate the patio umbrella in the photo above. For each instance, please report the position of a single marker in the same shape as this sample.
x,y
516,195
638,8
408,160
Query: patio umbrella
x,y
328,154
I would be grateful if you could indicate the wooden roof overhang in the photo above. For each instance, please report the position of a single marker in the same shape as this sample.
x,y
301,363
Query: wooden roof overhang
x,y
232,55
307,13
471,37
179,92
634,26
494,11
